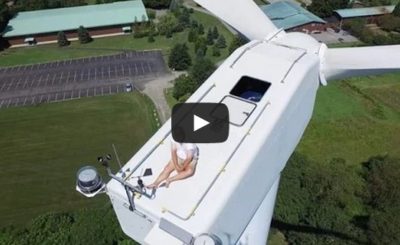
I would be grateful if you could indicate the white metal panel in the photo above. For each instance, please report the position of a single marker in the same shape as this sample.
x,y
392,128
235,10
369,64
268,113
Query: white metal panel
x,y
158,236
257,230
347,62
243,15
239,110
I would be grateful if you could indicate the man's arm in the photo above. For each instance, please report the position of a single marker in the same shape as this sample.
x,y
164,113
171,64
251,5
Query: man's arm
x,y
187,161
174,158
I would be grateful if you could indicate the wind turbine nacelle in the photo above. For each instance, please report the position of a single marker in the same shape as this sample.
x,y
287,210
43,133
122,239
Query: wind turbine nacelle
x,y
233,179
231,196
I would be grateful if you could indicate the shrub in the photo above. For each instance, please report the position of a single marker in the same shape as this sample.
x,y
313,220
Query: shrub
x,y
62,39
83,35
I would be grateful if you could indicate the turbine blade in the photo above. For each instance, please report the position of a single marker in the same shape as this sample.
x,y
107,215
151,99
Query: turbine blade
x,y
243,15
348,62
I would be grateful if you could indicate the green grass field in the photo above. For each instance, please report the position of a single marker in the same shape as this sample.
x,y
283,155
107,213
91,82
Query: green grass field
x,y
43,147
355,119
109,45
170,99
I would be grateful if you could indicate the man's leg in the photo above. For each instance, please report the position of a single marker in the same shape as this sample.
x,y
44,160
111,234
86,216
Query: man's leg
x,y
163,175
189,171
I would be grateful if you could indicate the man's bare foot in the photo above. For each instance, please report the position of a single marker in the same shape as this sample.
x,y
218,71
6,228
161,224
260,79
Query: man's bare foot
x,y
153,186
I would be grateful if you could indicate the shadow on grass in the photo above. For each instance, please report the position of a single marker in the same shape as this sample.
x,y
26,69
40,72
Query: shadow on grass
x,y
283,226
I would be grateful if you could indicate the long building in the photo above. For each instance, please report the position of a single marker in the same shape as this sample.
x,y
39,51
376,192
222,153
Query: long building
x,y
370,14
42,26
291,16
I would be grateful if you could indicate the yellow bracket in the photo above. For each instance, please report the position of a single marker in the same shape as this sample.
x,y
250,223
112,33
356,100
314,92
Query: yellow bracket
x,y
163,210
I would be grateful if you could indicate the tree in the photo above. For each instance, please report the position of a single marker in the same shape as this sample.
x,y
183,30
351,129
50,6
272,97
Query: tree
x,y
167,24
151,39
4,17
215,32
194,24
236,43
201,52
168,34
179,58
200,43
62,39
151,14
200,29
215,51
221,42
200,47
184,17
4,14
157,4
192,35
183,86
83,35
210,37
144,19
201,70
396,11
382,177
325,8
389,23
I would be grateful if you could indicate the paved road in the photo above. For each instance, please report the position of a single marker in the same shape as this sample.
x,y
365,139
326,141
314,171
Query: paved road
x,y
155,90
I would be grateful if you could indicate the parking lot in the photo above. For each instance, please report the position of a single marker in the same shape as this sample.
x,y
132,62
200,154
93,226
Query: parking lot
x,y
72,79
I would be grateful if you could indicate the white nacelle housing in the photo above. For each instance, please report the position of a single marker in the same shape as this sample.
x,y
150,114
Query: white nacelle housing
x,y
232,178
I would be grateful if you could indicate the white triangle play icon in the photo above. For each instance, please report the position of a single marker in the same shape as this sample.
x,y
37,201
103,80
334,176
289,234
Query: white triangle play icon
x,y
199,123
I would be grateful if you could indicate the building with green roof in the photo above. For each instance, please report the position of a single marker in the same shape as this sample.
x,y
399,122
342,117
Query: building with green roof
x,y
370,14
364,12
42,26
292,17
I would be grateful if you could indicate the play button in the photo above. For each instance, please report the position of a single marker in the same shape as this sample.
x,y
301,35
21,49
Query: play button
x,y
200,122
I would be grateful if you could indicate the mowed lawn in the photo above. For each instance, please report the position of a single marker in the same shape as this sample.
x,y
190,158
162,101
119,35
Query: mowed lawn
x,y
111,45
355,119
42,147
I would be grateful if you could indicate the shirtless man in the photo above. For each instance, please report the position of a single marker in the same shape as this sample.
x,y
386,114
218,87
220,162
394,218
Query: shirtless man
x,y
183,160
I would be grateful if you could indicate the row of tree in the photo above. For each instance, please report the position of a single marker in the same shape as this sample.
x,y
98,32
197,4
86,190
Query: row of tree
x,y
83,36
358,28
94,226
186,85
336,204
27,5
4,17
180,59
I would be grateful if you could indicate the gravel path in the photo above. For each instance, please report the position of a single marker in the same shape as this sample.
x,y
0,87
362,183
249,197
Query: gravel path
x,y
155,90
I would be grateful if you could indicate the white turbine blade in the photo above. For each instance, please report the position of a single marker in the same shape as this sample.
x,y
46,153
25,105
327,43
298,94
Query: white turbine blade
x,y
243,15
348,62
